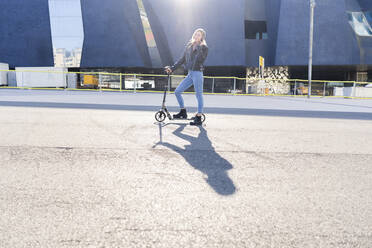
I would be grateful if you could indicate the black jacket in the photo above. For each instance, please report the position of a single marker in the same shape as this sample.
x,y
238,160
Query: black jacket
x,y
192,60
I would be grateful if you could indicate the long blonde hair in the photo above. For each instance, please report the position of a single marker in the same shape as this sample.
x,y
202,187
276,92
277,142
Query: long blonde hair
x,y
204,35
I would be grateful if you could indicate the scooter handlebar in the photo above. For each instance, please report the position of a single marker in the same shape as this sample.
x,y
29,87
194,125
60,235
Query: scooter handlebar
x,y
168,70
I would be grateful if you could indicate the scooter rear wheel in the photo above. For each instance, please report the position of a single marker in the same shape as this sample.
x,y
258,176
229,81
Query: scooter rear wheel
x,y
160,116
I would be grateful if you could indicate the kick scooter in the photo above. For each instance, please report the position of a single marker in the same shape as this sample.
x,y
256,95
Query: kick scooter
x,y
164,113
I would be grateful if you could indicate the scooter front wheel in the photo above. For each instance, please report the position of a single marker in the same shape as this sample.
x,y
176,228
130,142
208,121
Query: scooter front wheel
x,y
160,116
202,118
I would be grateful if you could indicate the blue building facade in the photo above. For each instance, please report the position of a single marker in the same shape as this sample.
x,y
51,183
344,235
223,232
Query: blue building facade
x,y
335,41
130,33
25,35
113,34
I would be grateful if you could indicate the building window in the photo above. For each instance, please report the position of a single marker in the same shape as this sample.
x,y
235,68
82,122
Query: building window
x,y
255,30
149,35
361,23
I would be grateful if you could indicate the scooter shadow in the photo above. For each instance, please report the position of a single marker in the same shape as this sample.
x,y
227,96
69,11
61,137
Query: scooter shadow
x,y
201,155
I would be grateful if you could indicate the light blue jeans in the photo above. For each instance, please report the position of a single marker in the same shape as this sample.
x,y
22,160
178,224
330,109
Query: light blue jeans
x,y
196,78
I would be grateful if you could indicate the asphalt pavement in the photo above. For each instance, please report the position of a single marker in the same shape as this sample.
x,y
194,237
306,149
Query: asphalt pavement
x,y
94,169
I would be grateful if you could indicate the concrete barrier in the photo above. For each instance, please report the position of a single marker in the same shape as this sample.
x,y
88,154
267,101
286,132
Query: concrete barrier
x,y
4,74
351,92
48,77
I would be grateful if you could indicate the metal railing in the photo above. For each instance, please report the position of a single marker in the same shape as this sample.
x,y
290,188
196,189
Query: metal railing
x,y
135,82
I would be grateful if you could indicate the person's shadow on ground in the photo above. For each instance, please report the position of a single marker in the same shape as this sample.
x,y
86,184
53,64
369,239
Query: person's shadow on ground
x,y
201,155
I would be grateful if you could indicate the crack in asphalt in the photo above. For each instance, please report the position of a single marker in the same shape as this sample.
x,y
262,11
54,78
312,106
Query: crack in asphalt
x,y
113,149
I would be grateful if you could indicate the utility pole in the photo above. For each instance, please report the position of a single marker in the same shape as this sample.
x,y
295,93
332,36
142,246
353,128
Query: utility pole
x,y
312,6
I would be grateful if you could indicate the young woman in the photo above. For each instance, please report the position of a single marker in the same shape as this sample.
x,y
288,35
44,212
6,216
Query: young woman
x,y
195,53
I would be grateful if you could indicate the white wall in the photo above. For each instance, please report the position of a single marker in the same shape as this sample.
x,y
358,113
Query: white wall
x,y
4,74
40,77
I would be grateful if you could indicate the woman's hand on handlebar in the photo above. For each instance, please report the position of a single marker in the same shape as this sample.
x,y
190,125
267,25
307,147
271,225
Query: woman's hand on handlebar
x,y
168,69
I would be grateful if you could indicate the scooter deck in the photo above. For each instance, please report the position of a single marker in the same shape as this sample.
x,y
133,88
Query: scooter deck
x,y
183,119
